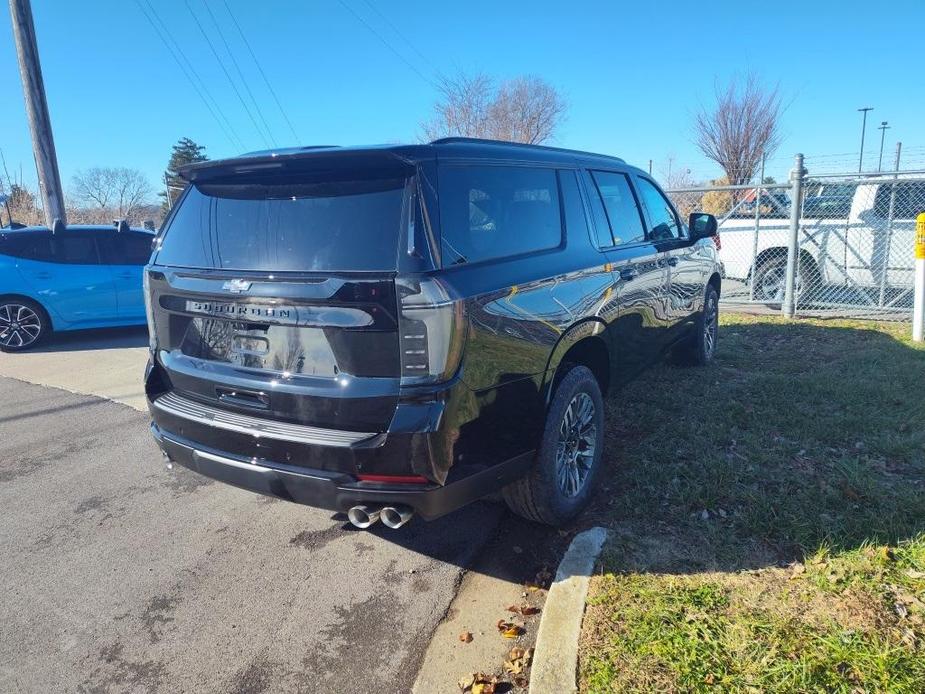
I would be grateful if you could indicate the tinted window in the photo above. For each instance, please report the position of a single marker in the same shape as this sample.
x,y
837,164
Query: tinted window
x,y
909,201
664,223
497,211
347,225
621,207
601,225
576,224
28,245
74,248
130,248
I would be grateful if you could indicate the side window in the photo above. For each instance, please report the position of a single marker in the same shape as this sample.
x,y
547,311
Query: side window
x,y
909,201
663,221
621,207
28,245
74,248
601,225
576,223
131,248
497,211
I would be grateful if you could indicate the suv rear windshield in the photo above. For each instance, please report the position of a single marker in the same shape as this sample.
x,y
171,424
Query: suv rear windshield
x,y
350,225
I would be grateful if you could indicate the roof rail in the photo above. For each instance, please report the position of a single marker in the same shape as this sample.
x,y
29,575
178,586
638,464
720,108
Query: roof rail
x,y
57,226
121,225
507,143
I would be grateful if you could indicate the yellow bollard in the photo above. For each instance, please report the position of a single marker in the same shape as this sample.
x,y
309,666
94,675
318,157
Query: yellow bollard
x,y
918,306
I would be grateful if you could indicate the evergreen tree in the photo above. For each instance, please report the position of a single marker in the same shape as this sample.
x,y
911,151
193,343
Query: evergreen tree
x,y
184,152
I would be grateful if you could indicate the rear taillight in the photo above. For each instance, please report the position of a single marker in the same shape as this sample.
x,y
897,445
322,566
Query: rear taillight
x,y
149,313
431,329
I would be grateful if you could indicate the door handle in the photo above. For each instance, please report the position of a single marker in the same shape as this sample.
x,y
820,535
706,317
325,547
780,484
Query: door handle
x,y
126,276
629,273
43,275
673,261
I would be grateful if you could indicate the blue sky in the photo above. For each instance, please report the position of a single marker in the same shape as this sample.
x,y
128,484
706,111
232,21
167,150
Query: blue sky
x,y
633,73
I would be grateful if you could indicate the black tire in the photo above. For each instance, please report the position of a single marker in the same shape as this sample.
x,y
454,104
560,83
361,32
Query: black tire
x,y
700,347
543,495
769,278
19,320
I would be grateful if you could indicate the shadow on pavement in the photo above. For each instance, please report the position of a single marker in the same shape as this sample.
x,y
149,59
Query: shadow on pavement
x,y
99,338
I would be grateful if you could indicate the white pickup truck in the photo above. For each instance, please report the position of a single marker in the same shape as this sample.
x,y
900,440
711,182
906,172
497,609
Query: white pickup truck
x,y
857,235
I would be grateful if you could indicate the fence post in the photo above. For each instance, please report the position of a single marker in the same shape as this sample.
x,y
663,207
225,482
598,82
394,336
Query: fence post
x,y
751,285
918,300
796,209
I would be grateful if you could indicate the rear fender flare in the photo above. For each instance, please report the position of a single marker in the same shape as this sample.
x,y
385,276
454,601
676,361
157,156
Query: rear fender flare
x,y
590,327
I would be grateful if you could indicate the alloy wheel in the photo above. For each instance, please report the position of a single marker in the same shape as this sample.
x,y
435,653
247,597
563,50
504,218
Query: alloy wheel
x,y
576,445
710,325
20,326
772,285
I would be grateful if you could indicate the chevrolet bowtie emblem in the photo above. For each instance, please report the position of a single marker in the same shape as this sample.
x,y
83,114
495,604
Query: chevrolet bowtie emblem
x,y
236,286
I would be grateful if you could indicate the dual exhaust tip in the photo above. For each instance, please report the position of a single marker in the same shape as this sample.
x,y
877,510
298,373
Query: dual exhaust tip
x,y
365,515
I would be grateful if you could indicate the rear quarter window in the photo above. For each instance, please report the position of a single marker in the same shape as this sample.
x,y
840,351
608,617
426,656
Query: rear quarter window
x,y
27,245
489,212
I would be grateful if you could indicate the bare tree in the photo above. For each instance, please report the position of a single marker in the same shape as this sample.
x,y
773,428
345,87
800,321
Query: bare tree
x,y
742,125
524,109
116,192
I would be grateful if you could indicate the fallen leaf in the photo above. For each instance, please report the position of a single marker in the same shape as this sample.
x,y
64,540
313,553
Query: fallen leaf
x,y
509,630
520,681
523,610
519,659
709,679
479,683
466,637
912,573
512,632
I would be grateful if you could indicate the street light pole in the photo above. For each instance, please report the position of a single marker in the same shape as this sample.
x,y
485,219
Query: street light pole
x,y
863,129
883,128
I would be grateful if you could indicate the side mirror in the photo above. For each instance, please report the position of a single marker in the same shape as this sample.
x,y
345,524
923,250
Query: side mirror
x,y
702,225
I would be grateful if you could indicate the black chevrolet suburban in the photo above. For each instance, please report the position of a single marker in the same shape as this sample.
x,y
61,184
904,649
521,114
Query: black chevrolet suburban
x,y
393,330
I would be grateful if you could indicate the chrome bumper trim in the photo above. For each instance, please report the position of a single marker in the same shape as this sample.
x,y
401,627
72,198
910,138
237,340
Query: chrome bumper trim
x,y
178,406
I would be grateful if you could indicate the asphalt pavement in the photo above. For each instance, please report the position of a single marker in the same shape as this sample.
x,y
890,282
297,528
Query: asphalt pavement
x,y
119,575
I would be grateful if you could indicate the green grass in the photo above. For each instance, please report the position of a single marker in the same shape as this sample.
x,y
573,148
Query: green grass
x,y
767,517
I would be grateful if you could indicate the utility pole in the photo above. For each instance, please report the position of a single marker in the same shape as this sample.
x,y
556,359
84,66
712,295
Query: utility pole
x,y
43,144
863,128
883,128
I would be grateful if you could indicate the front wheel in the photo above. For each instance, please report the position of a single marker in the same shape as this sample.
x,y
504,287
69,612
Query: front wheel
x,y
562,480
23,324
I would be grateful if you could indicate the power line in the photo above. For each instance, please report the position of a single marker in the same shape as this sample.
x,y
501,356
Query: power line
x,y
388,45
237,68
262,73
394,28
221,64
189,72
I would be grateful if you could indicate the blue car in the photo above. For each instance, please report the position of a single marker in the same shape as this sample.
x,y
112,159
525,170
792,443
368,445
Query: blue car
x,y
79,277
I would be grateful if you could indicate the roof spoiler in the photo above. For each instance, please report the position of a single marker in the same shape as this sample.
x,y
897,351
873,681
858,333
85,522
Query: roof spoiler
x,y
321,158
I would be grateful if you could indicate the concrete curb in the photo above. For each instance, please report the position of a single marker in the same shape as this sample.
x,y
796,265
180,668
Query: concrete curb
x,y
556,657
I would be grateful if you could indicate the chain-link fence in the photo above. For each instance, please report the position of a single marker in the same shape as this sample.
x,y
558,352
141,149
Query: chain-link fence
x,y
851,240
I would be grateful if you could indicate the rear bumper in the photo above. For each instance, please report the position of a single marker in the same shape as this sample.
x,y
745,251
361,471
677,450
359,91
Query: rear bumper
x,y
335,491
